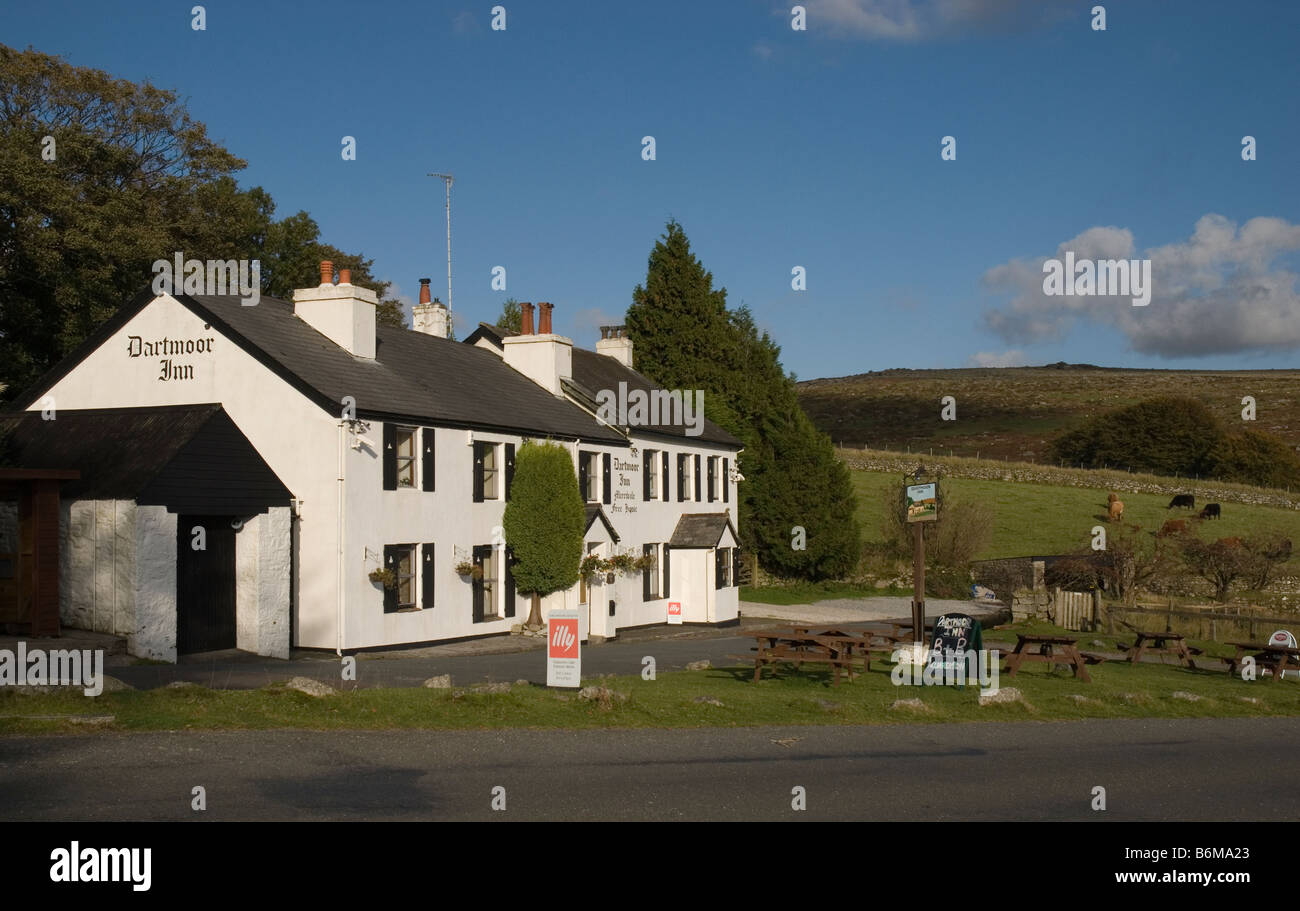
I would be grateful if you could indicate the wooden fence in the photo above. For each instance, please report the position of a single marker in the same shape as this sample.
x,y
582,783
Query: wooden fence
x,y
1210,622
1074,610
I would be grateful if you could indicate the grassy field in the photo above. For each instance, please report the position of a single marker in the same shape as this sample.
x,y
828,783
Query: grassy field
x,y
1015,412
1047,519
788,698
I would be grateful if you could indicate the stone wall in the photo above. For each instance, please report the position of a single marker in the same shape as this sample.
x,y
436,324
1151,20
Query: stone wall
x,y
154,634
1118,481
97,566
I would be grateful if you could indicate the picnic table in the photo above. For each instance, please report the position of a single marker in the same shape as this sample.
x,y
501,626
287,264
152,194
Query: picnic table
x,y
797,645
1047,651
1277,658
1161,643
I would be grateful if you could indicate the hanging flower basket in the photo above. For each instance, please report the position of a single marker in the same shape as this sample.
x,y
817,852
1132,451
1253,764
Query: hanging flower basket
x,y
472,570
385,577
591,567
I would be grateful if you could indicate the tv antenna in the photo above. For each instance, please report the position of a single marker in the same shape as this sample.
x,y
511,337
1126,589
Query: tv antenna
x,y
447,179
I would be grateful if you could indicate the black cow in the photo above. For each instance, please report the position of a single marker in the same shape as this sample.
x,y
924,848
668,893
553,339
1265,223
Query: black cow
x,y
1182,500
1211,511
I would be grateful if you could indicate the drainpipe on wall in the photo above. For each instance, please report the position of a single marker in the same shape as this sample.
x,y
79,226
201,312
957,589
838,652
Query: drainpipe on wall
x,y
338,648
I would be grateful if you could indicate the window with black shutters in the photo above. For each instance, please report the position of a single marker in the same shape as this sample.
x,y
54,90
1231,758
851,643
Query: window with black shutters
x,y
722,567
589,477
485,587
485,471
406,457
427,576
400,560
426,461
650,575
650,475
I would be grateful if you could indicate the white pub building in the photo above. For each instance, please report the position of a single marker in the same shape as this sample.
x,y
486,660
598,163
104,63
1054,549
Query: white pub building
x,y
231,476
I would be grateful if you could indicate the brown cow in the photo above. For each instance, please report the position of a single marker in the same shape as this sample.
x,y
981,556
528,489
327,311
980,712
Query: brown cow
x,y
1116,508
1172,527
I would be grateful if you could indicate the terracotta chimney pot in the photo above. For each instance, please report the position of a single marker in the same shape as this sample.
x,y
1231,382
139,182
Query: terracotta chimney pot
x,y
326,272
526,319
545,328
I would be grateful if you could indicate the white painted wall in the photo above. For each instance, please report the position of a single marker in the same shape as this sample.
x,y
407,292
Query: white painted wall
x,y
154,635
297,438
302,443
262,566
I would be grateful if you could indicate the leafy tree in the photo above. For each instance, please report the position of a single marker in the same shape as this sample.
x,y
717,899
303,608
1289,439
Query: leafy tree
x,y
512,316
685,337
1163,436
544,523
1255,457
125,178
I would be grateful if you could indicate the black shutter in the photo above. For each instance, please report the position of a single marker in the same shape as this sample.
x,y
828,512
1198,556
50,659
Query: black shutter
x,y
667,495
390,456
606,488
582,475
726,481
480,554
649,466
510,583
731,555
645,576
426,576
478,472
718,573
667,574
390,563
510,467
426,466
697,479
713,470
681,477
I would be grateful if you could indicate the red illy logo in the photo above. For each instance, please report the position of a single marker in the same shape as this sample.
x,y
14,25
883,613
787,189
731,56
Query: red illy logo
x,y
564,638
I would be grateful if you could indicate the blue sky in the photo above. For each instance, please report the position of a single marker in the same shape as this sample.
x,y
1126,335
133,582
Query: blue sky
x,y
775,148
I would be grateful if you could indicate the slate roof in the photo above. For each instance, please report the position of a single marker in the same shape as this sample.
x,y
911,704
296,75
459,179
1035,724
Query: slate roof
x,y
702,529
594,512
190,458
414,376
593,372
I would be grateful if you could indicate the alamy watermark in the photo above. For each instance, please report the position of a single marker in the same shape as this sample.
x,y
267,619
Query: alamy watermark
x,y
653,407
213,276
1084,277
58,667
947,668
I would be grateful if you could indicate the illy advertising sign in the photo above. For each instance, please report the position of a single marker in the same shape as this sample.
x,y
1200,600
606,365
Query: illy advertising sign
x,y
674,612
563,651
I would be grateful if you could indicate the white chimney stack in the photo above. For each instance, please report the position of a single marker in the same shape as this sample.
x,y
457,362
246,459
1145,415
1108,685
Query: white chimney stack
x,y
615,343
343,313
430,316
545,358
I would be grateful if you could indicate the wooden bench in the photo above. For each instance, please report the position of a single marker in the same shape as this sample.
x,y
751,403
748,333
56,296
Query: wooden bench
x,y
1277,659
1163,644
1047,651
798,646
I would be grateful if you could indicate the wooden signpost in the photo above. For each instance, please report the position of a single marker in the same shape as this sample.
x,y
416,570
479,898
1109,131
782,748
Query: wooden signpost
x,y
922,507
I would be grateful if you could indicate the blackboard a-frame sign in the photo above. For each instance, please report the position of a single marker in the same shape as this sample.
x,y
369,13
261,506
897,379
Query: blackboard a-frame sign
x,y
955,634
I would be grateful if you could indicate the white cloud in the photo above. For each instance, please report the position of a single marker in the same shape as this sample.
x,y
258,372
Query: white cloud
x,y
1221,291
1012,358
919,20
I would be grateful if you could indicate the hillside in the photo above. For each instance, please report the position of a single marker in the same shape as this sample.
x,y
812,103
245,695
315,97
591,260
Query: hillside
x,y
1015,412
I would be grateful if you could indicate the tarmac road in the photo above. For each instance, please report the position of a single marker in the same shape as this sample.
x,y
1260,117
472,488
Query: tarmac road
x,y
1156,769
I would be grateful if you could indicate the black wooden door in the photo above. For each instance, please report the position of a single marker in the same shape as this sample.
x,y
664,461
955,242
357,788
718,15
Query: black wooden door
x,y
205,584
